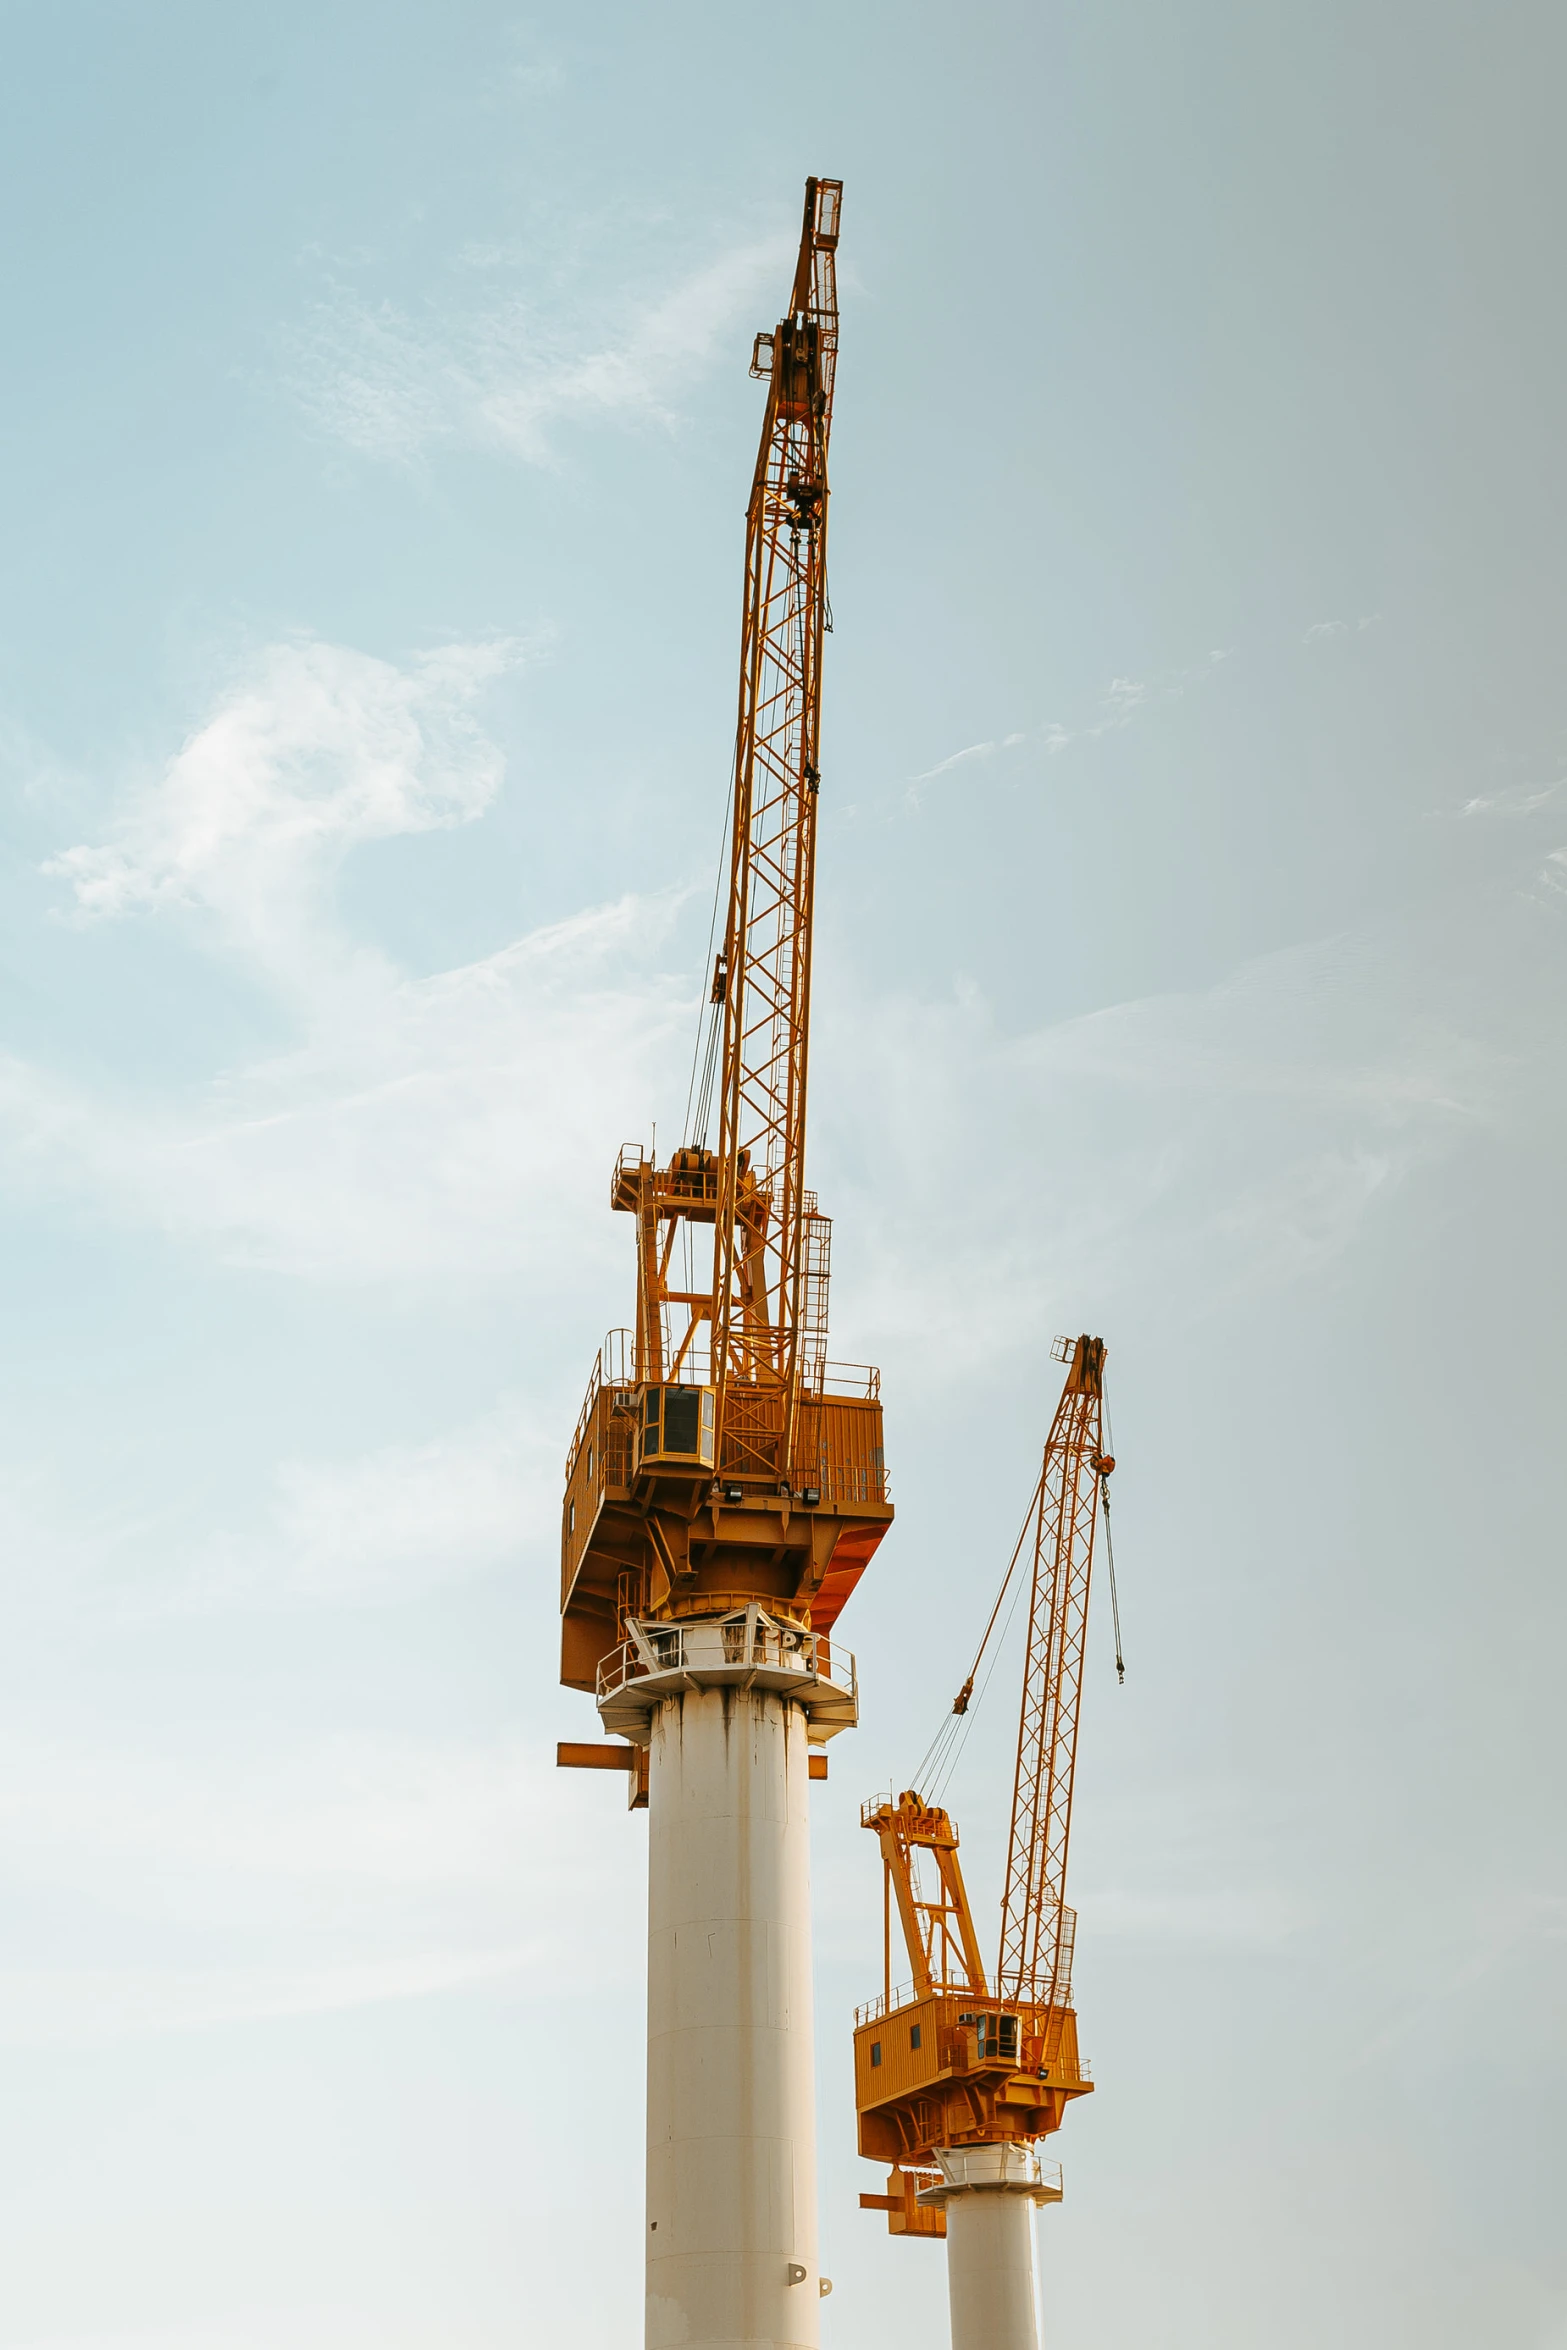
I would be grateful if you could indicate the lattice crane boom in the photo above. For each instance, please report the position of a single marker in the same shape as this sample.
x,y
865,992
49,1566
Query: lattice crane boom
x,y
1037,1928
761,1310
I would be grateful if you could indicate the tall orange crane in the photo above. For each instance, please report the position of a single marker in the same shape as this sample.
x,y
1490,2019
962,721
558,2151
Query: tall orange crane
x,y
717,1452
957,2066
726,1487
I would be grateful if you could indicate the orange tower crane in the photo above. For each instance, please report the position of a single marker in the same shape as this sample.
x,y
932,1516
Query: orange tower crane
x,y
725,1487
717,1452
959,2075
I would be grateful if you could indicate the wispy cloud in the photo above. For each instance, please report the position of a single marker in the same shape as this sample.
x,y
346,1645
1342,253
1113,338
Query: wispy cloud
x,y
394,1522
1521,799
1249,1131
1006,742
1123,701
401,1138
282,1878
397,1136
502,373
1546,887
1321,630
313,751
374,1528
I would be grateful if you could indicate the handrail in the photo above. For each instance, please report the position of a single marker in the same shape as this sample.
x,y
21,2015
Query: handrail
x,y
613,1366
875,2011
610,1369
820,1659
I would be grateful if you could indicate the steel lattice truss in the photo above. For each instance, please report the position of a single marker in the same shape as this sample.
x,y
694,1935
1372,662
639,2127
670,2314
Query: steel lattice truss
x,y
1036,1925
760,1268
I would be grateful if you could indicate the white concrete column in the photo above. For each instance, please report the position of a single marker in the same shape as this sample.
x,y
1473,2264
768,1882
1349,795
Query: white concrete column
x,y
990,2194
731,2108
990,2272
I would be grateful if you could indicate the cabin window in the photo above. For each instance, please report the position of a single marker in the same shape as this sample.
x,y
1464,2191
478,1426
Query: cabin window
x,y
571,1517
875,2052
998,2037
682,1418
914,2035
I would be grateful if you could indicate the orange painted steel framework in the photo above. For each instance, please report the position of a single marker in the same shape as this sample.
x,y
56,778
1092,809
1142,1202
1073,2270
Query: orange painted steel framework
x,y
1037,1928
718,1453
951,2061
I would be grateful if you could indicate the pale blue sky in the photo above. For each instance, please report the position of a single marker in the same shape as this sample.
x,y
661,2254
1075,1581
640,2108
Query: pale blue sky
x,y
376,431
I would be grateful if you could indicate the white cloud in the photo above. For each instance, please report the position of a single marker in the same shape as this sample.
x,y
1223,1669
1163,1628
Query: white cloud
x,y
1246,1132
432,1128
1122,702
279,1879
421,1126
390,1523
988,750
314,751
1520,799
1321,630
501,375
348,1810
375,1528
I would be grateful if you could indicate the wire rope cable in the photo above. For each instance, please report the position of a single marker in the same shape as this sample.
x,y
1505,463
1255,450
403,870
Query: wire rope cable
x,y
941,1755
713,1023
1104,1503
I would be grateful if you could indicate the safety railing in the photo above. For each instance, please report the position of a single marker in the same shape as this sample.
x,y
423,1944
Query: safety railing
x,y
748,1639
611,1368
755,1426
963,2002
886,2003
845,1379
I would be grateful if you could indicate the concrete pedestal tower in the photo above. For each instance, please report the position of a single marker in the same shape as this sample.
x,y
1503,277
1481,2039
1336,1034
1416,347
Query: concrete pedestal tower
x,y
990,2194
729,1708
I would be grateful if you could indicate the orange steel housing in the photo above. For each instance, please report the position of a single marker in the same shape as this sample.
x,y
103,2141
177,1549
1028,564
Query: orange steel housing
x,y
650,1540
775,1488
958,2083
943,2061
949,2060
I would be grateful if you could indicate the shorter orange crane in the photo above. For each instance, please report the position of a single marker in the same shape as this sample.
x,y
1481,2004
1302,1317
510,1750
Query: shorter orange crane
x,y
960,2072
